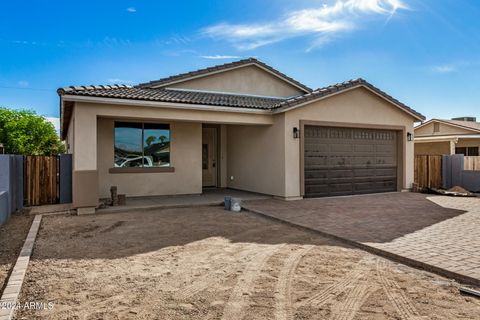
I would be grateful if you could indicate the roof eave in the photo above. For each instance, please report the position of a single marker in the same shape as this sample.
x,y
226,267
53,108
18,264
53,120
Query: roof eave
x,y
447,123
292,106
147,103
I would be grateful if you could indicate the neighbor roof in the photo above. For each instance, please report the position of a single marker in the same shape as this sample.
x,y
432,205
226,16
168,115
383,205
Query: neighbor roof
x,y
223,67
469,125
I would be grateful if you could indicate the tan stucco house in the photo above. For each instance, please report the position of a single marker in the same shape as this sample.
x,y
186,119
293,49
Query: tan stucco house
x,y
446,137
241,125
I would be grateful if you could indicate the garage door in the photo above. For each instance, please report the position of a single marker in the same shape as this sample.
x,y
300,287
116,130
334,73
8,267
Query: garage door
x,y
344,161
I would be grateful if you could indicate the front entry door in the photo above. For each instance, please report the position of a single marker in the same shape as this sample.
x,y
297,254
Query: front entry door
x,y
209,157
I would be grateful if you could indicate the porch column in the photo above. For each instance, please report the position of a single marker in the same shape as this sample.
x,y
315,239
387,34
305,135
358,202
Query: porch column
x,y
84,178
223,156
452,146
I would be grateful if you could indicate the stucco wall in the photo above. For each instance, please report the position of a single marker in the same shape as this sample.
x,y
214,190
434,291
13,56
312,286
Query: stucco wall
x,y
185,139
256,157
444,129
250,80
70,135
186,148
468,143
357,106
432,148
262,156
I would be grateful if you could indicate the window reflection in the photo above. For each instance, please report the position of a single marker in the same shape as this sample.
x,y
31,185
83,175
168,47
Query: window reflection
x,y
142,145
156,145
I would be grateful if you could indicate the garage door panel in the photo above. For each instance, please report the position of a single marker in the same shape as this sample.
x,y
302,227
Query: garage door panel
x,y
366,148
384,160
341,161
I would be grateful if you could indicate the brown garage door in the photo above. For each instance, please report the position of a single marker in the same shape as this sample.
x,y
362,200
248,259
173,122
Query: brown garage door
x,y
344,161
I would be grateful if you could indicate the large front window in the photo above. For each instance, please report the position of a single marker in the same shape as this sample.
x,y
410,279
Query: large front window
x,y
142,144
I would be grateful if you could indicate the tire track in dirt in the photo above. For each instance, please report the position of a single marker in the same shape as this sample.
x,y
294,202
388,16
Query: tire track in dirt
x,y
241,292
354,300
337,288
283,299
211,279
396,295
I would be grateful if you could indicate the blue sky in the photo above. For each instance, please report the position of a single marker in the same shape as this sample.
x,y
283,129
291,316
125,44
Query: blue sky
x,y
426,53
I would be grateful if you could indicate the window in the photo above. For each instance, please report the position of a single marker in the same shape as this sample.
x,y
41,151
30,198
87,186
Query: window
x,y
436,127
142,145
467,151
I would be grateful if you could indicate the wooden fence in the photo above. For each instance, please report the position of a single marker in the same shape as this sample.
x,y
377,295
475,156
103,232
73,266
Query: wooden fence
x,y
472,163
41,180
428,171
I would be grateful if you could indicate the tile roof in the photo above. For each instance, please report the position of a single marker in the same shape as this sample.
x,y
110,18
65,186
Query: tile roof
x,y
223,99
332,89
226,66
466,124
173,95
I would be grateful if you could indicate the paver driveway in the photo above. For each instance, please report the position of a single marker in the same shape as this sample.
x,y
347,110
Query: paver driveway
x,y
439,231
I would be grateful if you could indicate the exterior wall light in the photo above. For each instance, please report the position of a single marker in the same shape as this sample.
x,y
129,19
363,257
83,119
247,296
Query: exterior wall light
x,y
409,136
296,133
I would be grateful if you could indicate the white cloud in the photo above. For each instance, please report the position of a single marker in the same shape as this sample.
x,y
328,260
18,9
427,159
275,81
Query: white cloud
x,y
444,68
23,84
120,81
217,56
55,122
131,9
322,23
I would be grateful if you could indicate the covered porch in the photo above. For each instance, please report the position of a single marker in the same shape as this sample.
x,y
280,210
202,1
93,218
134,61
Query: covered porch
x,y
208,197
205,150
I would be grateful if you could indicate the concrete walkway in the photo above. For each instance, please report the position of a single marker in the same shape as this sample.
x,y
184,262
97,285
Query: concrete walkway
x,y
214,196
440,234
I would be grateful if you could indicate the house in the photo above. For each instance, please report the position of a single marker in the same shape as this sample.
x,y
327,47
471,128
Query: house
x,y
456,136
241,125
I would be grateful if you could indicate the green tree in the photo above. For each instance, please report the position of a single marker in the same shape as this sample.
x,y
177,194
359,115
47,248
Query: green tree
x,y
149,140
25,132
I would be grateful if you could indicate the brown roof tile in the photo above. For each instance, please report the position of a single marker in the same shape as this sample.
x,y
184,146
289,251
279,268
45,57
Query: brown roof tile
x,y
173,95
326,91
222,99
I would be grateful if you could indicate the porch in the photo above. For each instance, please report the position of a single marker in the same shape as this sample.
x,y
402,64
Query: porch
x,y
208,197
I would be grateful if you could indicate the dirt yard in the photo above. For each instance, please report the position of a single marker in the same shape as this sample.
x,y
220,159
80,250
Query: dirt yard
x,y
205,263
12,236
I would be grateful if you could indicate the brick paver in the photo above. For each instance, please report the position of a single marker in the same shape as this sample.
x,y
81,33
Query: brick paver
x,y
368,218
14,285
443,232
453,244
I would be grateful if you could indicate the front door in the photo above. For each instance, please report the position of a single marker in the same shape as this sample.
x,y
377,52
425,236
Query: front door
x,y
209,157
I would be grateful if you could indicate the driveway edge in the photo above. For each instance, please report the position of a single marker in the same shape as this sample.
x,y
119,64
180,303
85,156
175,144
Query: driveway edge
x,y
15,280
385,254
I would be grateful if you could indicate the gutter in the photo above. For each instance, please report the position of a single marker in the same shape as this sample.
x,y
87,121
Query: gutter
x,y
159,104
446,138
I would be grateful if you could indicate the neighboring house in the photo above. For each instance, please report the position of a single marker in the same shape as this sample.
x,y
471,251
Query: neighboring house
x,y
456,136
241,125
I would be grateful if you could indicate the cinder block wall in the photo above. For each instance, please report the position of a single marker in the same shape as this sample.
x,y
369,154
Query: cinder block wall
x,y
11,185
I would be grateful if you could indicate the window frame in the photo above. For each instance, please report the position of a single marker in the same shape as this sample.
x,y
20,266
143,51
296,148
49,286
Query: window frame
x,y
141,169
468,150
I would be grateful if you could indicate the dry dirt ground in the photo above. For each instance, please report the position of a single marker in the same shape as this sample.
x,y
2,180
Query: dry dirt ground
x,y
205,263
12,236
